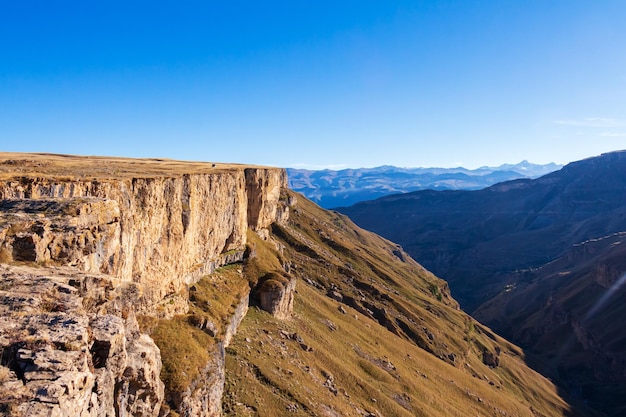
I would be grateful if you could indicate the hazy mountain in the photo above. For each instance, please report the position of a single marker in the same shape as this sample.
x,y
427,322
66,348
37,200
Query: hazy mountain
x,y
330,188
534,256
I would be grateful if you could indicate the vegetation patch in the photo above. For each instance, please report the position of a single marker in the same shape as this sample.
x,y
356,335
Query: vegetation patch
x,y
188,341
262,259
24,167
184,352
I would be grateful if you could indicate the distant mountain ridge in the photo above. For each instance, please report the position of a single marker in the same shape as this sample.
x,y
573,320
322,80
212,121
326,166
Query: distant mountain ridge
x,y
330,188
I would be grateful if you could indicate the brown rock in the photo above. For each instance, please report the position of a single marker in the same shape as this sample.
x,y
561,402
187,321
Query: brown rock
x,y
275,293
63,360
492,359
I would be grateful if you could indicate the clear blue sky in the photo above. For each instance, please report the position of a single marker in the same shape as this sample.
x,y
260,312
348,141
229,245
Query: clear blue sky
x,y
315,83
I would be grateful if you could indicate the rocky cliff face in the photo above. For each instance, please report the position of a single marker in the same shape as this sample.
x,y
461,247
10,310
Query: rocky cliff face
x,y
80,256
161,232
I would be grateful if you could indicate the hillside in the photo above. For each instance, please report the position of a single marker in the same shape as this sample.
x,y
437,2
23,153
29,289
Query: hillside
x,y
210,290
533,256
330,188
372,334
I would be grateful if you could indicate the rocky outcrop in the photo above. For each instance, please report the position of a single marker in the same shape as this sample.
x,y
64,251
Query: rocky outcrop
x,y
492,359
60,357
81,232
274,293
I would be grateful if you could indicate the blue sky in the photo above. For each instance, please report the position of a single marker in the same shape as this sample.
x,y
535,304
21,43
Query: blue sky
x,y
315,83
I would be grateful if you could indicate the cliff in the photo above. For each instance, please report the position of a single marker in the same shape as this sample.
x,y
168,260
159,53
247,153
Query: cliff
x,y
161,232
86,245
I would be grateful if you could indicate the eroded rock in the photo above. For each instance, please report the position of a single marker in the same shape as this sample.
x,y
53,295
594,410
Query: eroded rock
x,y
60,359
105,249
274,293
160,232
492,359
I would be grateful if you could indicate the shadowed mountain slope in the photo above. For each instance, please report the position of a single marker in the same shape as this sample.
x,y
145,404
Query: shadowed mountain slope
x,y
474,238
570,313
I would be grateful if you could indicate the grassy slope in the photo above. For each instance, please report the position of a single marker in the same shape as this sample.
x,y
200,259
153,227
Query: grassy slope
x,y
326,362
185,348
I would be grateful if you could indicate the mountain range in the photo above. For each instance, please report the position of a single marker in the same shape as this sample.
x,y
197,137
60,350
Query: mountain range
x,y
330,188
540,260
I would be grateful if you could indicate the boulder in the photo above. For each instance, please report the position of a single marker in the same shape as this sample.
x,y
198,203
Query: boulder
x,y
274,293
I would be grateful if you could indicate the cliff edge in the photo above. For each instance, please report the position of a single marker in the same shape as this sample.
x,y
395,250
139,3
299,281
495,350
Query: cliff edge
x,y
159,224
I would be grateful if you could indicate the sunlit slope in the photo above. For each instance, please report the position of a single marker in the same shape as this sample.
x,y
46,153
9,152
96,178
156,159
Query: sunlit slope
x,y
372,334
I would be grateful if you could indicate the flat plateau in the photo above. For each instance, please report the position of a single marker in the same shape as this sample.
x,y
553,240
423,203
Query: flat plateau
x,y
76,167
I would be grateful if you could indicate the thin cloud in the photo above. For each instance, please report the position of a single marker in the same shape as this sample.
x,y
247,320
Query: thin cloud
x,y
590,122
613,135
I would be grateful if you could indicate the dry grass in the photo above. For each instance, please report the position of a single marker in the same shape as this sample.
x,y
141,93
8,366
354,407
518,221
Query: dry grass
x,y
74,167
263,258
274,372
184,352
216,297
186,348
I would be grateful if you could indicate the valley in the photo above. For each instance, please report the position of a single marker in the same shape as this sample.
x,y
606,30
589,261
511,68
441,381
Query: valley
x,y
540,261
